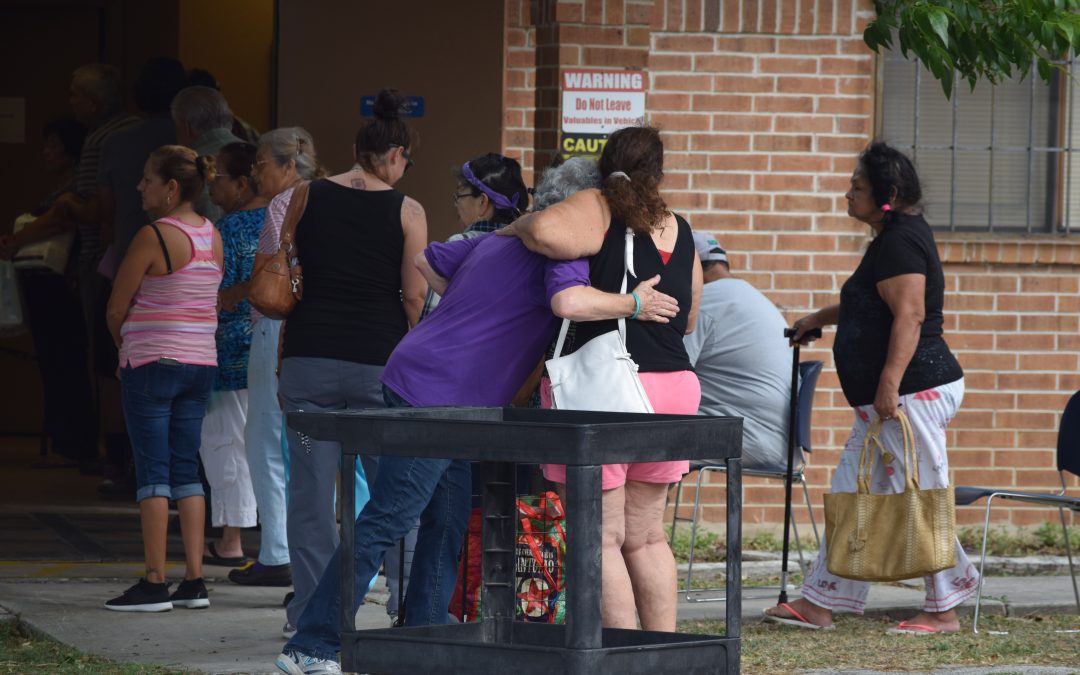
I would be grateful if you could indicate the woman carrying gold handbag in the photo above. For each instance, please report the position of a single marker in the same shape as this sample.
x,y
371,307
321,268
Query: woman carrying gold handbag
x,y
890,356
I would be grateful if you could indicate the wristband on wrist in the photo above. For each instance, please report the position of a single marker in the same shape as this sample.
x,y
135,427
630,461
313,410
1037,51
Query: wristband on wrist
x,y
637,305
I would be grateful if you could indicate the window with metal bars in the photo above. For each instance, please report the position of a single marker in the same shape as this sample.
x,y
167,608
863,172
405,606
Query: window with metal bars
x,y
993,159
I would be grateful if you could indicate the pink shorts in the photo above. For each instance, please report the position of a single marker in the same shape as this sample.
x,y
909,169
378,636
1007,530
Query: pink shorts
x,y
676,393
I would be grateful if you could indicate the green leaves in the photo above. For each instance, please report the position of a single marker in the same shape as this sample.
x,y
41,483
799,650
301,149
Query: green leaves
x,y
978,39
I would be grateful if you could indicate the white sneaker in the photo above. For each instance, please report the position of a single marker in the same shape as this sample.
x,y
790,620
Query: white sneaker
x,y
295,662
288,631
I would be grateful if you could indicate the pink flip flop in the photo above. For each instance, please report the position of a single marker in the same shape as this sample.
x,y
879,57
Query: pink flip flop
x,y
905,628
799,620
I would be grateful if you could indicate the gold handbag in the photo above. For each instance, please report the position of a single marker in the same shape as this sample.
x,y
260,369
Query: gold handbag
x,y
278,285
887,537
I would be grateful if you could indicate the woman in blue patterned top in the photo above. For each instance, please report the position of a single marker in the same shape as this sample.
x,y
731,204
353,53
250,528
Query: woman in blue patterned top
x,y
232,499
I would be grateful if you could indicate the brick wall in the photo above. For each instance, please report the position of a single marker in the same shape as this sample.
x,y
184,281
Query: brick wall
x,y
764,106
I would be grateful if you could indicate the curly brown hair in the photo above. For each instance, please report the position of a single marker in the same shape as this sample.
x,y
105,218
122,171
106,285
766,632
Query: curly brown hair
x,y
637,152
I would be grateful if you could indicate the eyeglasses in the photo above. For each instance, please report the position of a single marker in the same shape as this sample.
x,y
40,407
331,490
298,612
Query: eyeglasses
x,y
458,196
258,163
407,156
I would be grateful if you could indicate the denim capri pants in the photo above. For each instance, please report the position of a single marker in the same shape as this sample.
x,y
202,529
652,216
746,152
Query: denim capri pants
x,y
164,405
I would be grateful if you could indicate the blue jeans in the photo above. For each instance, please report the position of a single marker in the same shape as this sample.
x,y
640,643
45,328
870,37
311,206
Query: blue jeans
x,y
264,442
405,488
164,406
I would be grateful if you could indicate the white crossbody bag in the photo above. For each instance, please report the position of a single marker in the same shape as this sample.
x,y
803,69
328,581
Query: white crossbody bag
x,y
600,375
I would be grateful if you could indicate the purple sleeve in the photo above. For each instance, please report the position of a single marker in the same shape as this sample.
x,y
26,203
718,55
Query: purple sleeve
x,y
560,275
446,258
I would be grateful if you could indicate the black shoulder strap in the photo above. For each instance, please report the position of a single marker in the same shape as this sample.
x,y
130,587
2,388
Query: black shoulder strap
x,y
164,250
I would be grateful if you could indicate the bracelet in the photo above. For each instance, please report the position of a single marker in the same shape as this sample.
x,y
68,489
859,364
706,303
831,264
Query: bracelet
x,y
637,305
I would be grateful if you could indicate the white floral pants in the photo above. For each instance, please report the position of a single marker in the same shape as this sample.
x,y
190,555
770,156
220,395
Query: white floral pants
x,y
930,412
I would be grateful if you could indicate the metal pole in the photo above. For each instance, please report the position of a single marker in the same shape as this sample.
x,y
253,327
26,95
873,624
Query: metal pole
x,y
792,410
348,543
584,534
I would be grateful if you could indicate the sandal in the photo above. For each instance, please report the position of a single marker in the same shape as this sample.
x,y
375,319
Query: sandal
x,y
799,620
905,628
212,558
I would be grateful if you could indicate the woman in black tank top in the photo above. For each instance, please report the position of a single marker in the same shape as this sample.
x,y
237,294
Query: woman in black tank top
x,y
593,223
356,241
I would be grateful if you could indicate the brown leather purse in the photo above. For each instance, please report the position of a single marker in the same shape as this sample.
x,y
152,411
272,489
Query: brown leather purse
x,y
278,285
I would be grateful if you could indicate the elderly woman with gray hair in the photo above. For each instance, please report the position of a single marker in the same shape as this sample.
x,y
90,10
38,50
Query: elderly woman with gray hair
x,y
284,158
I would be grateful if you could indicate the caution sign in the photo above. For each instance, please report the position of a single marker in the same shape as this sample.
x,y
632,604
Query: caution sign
x,y
582,145
601,101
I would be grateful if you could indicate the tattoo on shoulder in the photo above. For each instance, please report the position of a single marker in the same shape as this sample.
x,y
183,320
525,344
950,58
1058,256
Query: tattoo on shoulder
x,y
411,209
358,183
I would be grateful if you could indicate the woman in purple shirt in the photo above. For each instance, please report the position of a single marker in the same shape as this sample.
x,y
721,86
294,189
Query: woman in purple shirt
x,y
476,349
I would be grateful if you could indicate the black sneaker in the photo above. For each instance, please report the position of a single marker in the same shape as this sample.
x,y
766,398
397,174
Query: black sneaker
x,y
258,574
191,593
142,597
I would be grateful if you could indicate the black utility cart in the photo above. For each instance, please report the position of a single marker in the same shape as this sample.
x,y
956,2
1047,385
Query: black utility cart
x,y
501,438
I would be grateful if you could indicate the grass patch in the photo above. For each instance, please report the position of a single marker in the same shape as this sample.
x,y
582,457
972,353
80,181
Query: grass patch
x,y
21,652
1046,539
712,547
861,642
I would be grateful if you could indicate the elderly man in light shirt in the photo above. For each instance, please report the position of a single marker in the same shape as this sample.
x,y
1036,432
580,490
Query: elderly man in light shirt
x,y
741,357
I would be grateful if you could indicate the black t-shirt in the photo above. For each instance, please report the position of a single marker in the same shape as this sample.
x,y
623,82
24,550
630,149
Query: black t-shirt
x,y
905,246
350,244
655,347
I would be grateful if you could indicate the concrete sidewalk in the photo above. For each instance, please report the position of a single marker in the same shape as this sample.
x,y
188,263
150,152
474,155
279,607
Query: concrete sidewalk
x,y
241,632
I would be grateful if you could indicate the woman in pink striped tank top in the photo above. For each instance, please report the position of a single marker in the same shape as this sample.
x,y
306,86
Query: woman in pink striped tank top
x,y
162,314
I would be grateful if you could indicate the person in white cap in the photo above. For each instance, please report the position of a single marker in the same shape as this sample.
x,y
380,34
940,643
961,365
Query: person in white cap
x,y
741,357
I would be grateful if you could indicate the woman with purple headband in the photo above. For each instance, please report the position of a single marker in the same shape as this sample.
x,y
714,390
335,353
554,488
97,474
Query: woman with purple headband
x,y
489,194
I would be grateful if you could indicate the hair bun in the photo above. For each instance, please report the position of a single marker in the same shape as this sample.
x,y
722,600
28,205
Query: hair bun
x,y
389,105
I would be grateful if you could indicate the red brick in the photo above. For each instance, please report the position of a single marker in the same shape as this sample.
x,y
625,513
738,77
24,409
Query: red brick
x,y
782,64
845,66
844,105
987,322
841,144
801,203
782,143
1027,381
684,43
739,201
721,181
1065,324
667,82
778,221
786,262
807,85
1027,302
688,161
676,102
615,57
743,84
982,438
1022,342
814,46
800,163
722,102
721,222
1050,284
973,341
783,182
1057,362
687,200
989,284
783,104
723,63
673,62
854,125
746,44
720,142
729,122
843,263
854,86
803,123
734,162
1041,401
681,121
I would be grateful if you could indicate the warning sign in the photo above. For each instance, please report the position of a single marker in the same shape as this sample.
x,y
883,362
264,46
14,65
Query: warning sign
x,y
601,101
582,145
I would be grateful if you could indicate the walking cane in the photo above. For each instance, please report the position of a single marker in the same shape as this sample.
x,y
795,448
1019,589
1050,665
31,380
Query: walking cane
x,y
792,440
